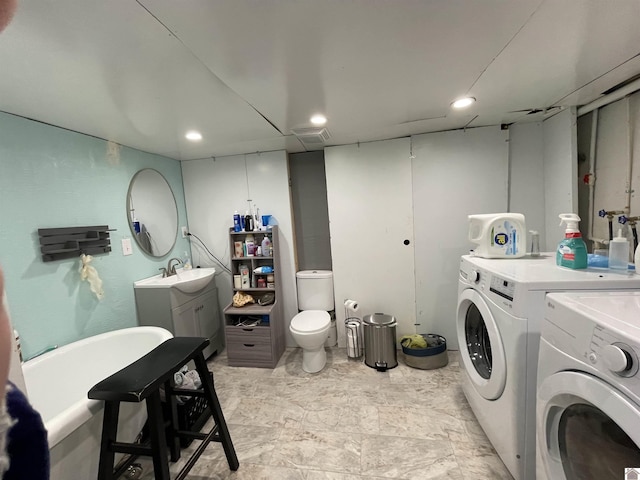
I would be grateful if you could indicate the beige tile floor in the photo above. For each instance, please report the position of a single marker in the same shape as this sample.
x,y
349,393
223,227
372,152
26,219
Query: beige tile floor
x,y
348,422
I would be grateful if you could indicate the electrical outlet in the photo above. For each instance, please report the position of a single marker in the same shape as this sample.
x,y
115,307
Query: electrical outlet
x,y
184,232
126,246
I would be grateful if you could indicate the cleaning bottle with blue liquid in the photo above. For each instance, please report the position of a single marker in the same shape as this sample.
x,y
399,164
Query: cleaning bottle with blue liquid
x,y
572,251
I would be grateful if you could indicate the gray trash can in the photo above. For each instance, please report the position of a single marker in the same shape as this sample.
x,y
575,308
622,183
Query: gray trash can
x,y
380,341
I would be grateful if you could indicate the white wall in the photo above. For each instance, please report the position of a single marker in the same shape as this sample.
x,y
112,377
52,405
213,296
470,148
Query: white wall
x,y
454,174
378,197
560,172
215,188
370,215
526,178
612,164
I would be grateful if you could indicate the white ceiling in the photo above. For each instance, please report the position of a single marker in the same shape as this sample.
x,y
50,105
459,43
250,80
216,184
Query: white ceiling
x,y
245,72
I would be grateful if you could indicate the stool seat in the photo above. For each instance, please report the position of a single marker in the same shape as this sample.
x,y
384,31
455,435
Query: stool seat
x,y
135,382
142,381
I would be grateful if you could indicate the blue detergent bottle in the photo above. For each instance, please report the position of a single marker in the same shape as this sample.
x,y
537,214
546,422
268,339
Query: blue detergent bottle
x,y
572,251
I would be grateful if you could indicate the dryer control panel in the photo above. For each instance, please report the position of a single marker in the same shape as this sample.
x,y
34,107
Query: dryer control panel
x,y
619,357
602,345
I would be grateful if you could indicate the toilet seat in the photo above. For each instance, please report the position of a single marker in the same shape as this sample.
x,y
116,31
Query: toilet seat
x,y
310,321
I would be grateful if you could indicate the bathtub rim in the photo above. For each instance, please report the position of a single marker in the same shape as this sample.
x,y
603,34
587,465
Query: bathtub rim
x,y
81,411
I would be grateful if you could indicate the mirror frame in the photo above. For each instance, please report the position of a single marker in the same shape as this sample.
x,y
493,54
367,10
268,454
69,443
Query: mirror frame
x,y
131,209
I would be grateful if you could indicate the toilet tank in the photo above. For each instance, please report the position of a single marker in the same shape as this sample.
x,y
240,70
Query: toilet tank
x,y
315,290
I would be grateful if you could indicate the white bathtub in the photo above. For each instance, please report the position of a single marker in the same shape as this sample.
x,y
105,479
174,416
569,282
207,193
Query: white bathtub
x,y
57,385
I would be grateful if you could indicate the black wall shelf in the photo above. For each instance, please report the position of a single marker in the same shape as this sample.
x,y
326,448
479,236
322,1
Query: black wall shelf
x,y
70,242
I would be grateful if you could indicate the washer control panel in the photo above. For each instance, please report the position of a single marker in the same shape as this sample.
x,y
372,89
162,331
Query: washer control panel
x,y
502,287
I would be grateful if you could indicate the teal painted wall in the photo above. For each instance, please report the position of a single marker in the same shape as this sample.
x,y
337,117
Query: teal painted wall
x,y
51,177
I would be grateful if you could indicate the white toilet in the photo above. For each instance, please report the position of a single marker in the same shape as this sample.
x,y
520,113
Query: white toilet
x,y
310,327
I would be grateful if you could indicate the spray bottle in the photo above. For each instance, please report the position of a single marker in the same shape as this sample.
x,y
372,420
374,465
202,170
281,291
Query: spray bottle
x,y
572,251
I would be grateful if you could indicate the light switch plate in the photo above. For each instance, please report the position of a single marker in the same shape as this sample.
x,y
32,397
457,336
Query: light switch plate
x,y
127,249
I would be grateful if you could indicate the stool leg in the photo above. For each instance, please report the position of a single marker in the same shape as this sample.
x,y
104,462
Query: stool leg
x,y
109,431
172,439
216,411
157,433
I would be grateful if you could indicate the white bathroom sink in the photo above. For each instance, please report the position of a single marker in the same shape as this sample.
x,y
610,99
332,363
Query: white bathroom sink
x,y
187,281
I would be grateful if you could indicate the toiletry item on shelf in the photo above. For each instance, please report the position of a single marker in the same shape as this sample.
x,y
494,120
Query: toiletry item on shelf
x,y
266,245
237,281
572,251
262,283
264,269
251,245
271,281
258,251
248,222
238,249
254,281
237,225
244,276
619,252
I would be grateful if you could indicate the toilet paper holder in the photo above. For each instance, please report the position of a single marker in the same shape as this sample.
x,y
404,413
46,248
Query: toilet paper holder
x,y
353,326
351,305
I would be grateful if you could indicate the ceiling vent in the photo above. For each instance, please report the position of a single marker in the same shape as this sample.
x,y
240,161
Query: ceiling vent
x,y
311,137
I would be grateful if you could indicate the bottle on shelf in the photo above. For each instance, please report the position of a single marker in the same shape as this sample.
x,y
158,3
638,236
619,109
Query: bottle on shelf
x,y
266,246
248,222
250,242
237,225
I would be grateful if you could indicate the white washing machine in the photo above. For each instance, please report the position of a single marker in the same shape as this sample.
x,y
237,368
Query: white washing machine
x,y
588,411
500,310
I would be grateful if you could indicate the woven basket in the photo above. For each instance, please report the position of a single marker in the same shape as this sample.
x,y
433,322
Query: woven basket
x,y
433,356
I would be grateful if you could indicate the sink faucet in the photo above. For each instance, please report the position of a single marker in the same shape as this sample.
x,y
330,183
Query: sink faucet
x,y
171,269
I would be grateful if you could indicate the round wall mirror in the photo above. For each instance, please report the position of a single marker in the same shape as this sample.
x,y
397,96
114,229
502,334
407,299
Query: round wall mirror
x,y
152,212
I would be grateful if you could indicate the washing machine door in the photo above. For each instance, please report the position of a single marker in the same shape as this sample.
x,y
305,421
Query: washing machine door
x,y
481,347
586,428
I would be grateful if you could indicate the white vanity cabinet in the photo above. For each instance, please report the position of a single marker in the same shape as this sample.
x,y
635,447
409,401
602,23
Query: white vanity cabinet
x,y
185,315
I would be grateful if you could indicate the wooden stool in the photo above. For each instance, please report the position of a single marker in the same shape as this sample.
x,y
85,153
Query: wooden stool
x,y
142,381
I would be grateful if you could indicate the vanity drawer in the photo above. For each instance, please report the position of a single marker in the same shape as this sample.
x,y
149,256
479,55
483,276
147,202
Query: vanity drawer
x,y
248,334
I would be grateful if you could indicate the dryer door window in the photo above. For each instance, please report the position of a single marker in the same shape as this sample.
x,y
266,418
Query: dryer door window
x,y
586,428
478,341
592,445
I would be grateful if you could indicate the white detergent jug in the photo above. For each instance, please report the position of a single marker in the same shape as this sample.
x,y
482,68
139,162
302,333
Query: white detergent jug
x,y
498,235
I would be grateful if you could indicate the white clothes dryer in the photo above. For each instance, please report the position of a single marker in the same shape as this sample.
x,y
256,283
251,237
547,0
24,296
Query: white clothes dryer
x,y
588,409
500,309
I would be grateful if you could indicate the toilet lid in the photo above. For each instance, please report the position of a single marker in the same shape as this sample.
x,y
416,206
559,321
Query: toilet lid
x,y
310,321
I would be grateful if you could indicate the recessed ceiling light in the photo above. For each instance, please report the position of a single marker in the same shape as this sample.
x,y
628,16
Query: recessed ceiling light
x,y
463,102
193,136
318,119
